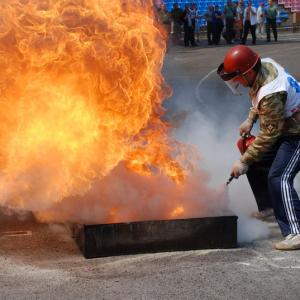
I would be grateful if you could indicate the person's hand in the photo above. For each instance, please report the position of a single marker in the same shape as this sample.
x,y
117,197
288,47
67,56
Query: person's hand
x,y
246,127
239,168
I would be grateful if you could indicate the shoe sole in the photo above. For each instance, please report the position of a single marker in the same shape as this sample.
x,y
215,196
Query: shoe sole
x,y
288,249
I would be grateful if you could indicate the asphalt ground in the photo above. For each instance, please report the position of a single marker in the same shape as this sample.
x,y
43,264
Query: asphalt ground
x,y
45,263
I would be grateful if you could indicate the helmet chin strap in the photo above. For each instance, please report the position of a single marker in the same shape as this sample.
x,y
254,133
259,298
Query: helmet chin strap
x,y
250,79
247,80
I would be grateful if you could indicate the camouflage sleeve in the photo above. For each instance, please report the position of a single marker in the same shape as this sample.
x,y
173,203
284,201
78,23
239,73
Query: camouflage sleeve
x,y
271,116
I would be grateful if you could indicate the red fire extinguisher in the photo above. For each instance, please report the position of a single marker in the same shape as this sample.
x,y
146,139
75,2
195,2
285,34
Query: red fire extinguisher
x,y
243,143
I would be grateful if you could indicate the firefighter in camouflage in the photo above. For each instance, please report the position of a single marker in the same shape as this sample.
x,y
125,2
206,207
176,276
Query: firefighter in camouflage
x,y
272,161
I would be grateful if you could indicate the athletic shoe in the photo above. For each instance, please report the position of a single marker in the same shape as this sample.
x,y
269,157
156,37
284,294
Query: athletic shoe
x,y
291,242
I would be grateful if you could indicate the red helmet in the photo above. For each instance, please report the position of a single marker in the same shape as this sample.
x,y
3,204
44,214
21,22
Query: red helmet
x,y
238,60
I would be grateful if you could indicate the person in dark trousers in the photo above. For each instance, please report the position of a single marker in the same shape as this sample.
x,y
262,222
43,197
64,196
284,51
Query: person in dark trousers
x,y
275,97
189,22
209,24
163,17
194,17
249,23
229,14
176,14
271,14
218,25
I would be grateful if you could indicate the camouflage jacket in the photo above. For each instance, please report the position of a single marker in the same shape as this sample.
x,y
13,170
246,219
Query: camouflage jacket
x,y
270,113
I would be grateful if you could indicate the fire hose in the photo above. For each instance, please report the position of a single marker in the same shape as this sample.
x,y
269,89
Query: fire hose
x,y
243,143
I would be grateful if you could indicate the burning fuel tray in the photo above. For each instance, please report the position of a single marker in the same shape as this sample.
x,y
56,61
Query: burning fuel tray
x,y
156,236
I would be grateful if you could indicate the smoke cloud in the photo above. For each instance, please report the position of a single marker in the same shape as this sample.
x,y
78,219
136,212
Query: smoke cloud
x,y
124,195
212,119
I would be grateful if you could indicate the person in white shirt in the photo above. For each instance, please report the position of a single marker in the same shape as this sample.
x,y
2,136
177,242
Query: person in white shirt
x,y
260,19
249,23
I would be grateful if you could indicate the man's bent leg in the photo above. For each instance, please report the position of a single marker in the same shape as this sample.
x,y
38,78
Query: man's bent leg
x,y
258,179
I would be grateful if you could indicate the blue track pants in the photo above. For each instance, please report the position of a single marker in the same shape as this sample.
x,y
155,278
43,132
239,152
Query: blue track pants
x,y
284,168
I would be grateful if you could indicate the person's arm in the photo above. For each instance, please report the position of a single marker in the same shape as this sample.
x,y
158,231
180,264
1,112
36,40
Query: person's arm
x,y
253,10
252,116
246,126
271,113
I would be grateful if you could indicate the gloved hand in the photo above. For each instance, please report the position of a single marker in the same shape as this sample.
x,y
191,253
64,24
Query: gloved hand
x,y
238,169
246,126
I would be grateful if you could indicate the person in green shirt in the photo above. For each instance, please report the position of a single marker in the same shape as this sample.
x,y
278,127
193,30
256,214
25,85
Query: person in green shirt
x,y
229,14
176,14
271,14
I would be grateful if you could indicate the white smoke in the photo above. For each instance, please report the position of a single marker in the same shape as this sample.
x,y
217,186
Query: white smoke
x,y
211,122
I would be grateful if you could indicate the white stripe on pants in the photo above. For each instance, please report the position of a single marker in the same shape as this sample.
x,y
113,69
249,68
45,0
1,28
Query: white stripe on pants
x,y
286,192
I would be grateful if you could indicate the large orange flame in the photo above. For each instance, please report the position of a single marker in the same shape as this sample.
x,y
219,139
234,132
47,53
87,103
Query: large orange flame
x,y
81,94
81,91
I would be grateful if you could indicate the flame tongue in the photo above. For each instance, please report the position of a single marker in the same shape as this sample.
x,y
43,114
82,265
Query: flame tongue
x,y
81,91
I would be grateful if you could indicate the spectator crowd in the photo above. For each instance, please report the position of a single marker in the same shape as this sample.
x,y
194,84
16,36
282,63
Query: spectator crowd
x,y
233,23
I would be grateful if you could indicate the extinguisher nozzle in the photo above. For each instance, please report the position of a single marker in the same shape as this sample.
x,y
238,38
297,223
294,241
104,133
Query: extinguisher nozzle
x,y
229,180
